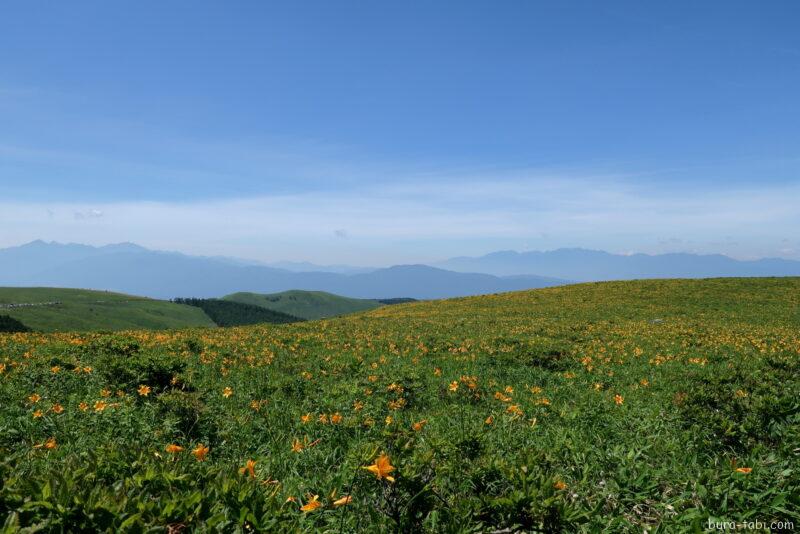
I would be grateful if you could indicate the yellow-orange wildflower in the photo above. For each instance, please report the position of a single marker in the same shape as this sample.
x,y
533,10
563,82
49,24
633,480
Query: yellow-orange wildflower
x,y
297,445
50,444
347,499
311,505
249,468
200,452
381,468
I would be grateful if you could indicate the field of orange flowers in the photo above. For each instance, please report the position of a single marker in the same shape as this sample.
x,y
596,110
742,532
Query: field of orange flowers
x,y
618,407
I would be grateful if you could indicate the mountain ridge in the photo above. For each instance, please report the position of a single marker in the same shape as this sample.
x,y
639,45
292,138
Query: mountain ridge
x,y
166,275
594,265
131,268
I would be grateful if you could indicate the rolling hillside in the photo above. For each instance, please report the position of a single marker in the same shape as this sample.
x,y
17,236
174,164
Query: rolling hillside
x,y
630,407
232,313
52,309
305,304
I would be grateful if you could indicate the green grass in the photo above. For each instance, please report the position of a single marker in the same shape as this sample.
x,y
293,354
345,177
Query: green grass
x,y
306,304
644,406
85,310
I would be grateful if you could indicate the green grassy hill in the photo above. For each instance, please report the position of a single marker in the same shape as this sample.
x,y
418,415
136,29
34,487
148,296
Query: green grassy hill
x,y
53,309
232,313
306,304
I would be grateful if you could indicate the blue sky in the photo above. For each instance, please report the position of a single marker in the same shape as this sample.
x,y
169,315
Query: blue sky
x,y
378,133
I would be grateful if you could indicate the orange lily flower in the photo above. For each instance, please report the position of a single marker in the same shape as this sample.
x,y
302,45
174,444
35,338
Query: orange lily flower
x,y
297,445
50,444
200,452
347,499
249,468
311,505
381,468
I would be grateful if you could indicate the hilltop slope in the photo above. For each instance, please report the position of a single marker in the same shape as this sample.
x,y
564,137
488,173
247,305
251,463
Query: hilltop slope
x,y
603,407
54,309
305,304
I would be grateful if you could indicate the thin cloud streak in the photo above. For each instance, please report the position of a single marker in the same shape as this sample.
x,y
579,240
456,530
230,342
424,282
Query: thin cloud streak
x,y
385,222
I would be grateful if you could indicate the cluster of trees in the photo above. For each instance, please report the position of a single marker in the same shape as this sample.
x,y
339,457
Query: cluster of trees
x,y
9,324
229,313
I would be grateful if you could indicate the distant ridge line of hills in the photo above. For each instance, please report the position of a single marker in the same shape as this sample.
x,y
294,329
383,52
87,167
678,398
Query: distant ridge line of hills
x,y
594,265
130,268
23,309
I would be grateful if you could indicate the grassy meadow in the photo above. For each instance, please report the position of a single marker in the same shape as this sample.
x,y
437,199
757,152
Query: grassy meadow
x,y
57,309
610,407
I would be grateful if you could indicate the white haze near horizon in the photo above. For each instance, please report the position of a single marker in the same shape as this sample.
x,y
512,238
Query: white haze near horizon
x,y
429,221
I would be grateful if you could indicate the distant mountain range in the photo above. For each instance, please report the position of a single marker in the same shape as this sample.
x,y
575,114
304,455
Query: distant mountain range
x,y
306,267
132,269
591,265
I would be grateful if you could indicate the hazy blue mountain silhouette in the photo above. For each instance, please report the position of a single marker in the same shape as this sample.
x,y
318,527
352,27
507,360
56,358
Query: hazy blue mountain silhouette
x,y
131,269
22,261
588,265
305,267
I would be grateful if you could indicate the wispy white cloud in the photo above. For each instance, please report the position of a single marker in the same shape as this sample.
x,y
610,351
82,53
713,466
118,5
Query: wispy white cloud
x,y
425,220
